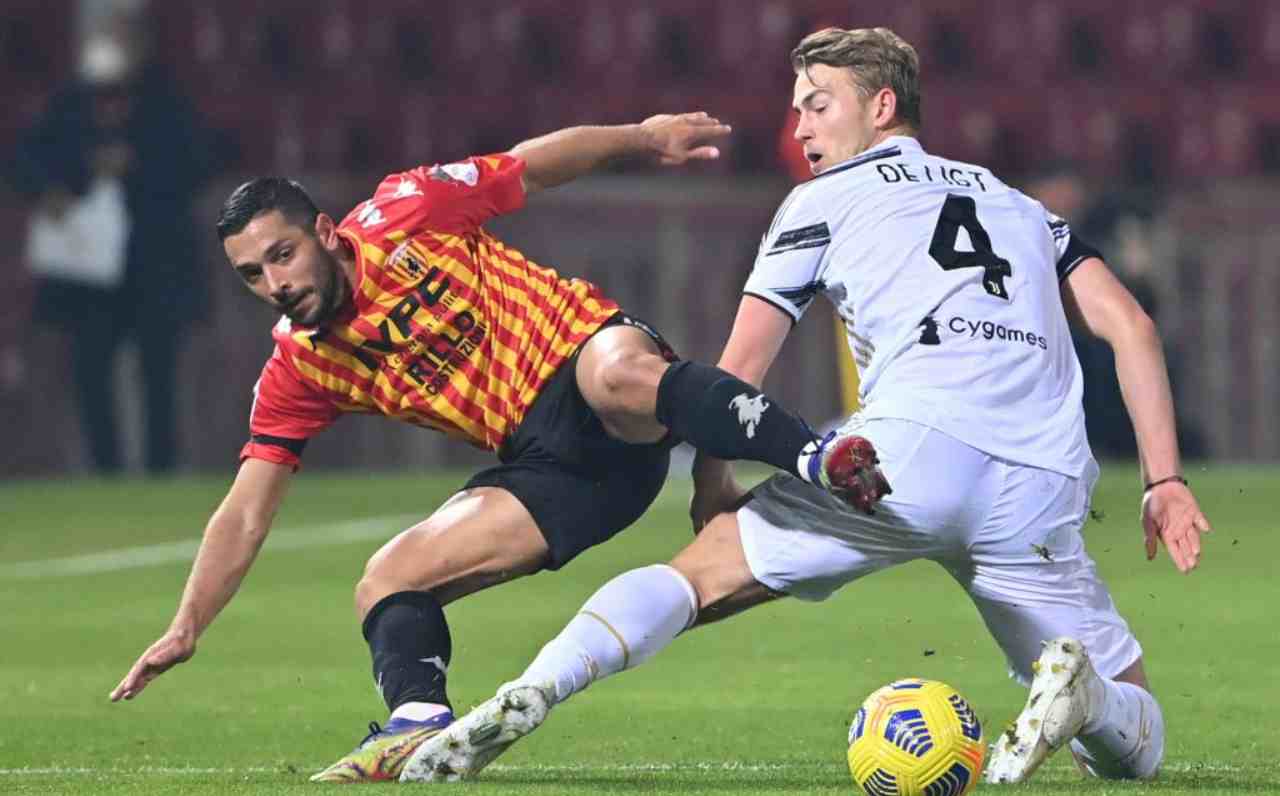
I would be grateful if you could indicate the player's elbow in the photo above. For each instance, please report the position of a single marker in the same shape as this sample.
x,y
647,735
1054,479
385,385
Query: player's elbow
x,y
1133,328
243,527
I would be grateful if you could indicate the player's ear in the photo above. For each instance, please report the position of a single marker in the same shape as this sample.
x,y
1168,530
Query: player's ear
x,y
326,230
884,108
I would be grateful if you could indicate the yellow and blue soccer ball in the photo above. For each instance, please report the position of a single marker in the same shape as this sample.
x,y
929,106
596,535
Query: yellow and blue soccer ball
x,y
916,738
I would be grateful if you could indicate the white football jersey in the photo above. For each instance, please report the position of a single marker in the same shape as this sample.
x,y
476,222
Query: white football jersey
x,y
948,283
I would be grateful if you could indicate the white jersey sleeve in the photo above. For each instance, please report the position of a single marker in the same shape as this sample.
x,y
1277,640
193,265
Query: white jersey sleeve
x,y
788,266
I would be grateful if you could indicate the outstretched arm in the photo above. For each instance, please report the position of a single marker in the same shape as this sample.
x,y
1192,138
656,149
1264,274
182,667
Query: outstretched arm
x,y
1107,309
670,140
231,542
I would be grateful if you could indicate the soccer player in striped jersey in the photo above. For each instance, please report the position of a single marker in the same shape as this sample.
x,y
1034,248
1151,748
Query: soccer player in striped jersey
x,y
410,309
955,290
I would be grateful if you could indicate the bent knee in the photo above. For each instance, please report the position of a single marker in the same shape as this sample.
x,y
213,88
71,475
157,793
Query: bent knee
x,y
374,586
386,572
621,372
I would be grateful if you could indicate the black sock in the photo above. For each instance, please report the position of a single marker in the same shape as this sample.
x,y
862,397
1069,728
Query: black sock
x,y
409,639
723,416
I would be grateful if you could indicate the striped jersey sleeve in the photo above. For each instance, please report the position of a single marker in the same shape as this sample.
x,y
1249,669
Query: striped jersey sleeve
x,y
286,412
787,266
453,197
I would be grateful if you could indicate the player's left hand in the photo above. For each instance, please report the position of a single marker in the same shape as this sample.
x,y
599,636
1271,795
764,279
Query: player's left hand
x,y
678,138
174,647
1171,514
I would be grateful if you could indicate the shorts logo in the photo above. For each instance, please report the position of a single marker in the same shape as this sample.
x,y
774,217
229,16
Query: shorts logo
x,y
749,411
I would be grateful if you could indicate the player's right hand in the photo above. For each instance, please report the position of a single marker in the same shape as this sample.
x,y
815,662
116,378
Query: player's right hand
x,y
677,138
174,647
1171,514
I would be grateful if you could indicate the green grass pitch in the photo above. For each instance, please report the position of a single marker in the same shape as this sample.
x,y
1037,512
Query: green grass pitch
x,y
90,573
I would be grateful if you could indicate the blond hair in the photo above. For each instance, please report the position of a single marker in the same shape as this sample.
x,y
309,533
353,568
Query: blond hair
x,y
877,57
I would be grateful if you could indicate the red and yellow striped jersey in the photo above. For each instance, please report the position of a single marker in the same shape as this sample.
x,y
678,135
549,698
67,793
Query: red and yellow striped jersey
x,y
447,328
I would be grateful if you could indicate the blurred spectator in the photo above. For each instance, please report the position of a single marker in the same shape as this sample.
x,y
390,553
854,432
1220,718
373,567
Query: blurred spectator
x,y
1119,226
110,172
790,153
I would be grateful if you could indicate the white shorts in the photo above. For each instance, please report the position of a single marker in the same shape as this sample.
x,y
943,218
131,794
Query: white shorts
x,y
1008,533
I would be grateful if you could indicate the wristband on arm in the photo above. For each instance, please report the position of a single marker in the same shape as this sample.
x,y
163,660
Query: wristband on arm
x,y
1152,485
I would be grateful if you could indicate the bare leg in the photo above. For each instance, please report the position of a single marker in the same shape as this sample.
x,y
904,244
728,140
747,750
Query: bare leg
x,y
478,538
716,566
619,370
639,396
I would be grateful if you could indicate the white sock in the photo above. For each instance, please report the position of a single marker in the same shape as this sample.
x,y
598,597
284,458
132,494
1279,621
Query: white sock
x,y
626,622
417,711
1124,736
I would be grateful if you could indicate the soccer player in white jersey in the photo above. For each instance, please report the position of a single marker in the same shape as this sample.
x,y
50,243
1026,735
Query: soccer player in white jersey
x,y
955,290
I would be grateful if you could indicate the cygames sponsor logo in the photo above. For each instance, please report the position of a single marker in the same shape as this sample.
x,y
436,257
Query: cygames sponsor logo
x,y
990,330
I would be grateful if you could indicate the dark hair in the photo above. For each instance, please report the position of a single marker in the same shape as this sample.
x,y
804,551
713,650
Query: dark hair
x,y
877,57
262,195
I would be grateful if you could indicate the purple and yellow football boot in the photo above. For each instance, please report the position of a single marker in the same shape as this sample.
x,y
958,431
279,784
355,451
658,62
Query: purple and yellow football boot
x,y
382,754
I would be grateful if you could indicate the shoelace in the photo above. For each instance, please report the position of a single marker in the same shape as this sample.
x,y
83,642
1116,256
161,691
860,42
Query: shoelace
x,y
375,730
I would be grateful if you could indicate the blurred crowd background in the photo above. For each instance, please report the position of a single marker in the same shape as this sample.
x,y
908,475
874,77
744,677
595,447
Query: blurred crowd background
x,y
126,345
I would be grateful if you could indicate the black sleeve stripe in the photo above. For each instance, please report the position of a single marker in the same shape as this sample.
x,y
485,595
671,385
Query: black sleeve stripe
x,y
294,446
799,294
789,312
812,244
1065,271
1077,252
793,236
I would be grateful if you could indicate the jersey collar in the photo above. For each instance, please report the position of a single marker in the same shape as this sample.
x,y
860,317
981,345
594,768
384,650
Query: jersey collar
x,y
891,147
902,143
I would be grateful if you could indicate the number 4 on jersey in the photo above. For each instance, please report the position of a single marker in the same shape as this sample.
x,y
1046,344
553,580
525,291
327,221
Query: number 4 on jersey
x,y
957,212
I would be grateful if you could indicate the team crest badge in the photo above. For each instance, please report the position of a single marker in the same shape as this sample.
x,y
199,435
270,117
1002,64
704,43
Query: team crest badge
x,y
405,264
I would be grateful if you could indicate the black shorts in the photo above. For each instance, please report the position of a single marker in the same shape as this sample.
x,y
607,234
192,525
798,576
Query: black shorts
x,y
581,485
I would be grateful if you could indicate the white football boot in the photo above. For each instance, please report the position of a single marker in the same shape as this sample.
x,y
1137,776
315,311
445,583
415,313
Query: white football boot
x,y
1064,688
475,740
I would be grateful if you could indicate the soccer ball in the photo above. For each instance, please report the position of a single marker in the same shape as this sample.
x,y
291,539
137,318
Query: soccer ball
x,y
916,738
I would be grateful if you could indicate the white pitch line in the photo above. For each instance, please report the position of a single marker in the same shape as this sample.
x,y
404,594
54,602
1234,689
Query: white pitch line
x,y
568,768
709,766
334,533
296,538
